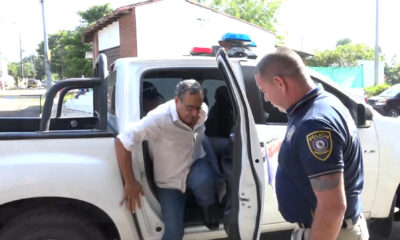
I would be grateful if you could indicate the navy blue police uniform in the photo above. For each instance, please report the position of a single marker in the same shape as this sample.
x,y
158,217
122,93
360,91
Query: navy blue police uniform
x,y
321,139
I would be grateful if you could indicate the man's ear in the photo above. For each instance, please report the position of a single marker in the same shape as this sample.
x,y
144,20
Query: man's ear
x,y
279,81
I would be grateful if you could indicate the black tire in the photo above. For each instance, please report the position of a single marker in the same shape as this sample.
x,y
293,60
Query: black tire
x,y
393,113
46,223
381,228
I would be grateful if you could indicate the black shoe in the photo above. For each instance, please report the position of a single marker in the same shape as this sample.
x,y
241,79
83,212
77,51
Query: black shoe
x,y
211,219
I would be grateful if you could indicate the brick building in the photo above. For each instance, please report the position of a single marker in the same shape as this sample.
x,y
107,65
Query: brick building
x,y
165,28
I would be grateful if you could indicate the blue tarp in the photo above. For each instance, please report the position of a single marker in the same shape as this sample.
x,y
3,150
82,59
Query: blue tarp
x,y
351,77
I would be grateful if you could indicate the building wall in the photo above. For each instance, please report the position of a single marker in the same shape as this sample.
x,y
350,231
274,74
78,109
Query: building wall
x,y
3,72
112,54
95,48
369,72
173,27
3,67
128,34
109,36
5,79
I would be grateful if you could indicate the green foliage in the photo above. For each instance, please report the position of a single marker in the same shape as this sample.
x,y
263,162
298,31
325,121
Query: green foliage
x,y
260,12
392,73
375,90
343,56
39,66
55,76
13,70
67,51
94,13
343,41
29,69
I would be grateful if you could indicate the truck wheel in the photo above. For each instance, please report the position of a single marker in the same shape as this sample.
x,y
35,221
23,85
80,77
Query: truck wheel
x,y
393,113
381,228
55,224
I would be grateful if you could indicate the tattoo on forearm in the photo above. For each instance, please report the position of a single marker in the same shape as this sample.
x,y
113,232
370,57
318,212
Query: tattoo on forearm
x,y
323,183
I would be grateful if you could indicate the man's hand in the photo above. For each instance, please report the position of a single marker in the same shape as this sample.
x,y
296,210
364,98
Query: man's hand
x,y
132,188
132,193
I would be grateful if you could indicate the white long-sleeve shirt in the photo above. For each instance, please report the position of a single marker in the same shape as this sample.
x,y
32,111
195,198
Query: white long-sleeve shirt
x,y
174,146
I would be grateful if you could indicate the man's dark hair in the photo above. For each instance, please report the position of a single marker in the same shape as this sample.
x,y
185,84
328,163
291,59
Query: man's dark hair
x,y
188,85
282,62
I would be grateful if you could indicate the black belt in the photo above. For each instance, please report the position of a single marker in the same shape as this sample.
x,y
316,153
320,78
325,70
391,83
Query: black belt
x,y
349,221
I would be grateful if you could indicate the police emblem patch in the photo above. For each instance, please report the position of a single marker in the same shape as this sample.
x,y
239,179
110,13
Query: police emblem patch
x,y
320,144
290,133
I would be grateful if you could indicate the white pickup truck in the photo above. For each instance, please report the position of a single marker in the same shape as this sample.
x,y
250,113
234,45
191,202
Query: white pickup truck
x,y
59,177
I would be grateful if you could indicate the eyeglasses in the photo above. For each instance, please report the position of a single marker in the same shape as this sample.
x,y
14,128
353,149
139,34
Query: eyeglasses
x,y
191,108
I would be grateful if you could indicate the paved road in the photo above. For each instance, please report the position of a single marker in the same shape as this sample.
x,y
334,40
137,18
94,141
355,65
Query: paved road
x,y
285,235
21,103
29,103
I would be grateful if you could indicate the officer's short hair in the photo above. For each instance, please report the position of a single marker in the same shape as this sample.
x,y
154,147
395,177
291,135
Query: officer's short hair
x,y
282,62
188,85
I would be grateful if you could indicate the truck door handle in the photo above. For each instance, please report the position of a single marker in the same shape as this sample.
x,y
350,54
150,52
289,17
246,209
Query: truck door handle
x,y
370,151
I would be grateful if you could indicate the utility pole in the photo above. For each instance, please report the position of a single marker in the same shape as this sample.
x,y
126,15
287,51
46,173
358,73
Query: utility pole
x,y
20,56
46,48
376,76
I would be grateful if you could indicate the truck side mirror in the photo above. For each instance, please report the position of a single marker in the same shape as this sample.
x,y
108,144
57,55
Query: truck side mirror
x,y
364,115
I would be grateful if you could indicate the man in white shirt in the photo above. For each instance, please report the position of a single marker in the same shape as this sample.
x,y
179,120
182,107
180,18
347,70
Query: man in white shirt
x,y
175,131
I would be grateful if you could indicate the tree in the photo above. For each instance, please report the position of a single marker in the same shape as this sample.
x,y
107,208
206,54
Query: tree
x,y
94,13
67,50
343,41
260,12
343,56
75,64
392,73
14,68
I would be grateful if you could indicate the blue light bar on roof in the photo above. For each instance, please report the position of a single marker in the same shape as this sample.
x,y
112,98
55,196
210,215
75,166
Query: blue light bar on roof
x,y
236,36
252,44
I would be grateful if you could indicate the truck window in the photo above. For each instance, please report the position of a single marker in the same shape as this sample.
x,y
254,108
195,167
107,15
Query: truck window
x,y
263,112
272,114
159,86
156,91
111,93
210,87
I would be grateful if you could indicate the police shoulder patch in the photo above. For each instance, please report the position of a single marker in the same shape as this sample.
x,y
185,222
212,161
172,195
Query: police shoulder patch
x,y
320,144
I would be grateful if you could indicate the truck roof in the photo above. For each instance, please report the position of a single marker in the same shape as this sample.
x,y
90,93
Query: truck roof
x,y
184,61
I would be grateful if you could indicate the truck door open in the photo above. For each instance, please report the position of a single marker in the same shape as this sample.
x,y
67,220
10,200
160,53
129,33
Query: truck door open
x,y
247,190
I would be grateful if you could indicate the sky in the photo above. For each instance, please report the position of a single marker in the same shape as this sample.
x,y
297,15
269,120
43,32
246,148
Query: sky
x,y
308,25
318,24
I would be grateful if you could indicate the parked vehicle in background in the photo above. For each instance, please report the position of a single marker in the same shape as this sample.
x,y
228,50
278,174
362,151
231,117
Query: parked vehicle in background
x,y
388,102
34,83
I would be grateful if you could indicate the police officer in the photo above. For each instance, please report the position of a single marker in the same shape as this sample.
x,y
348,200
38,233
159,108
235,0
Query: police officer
x,y
320,174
